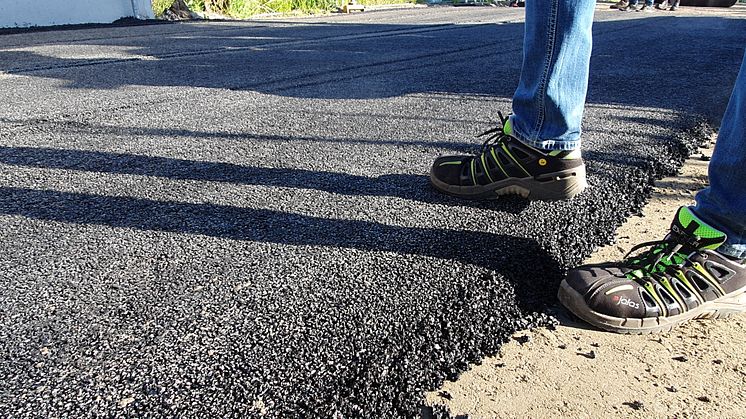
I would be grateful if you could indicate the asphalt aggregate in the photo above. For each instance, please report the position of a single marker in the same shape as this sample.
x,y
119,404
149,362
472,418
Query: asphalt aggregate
x,y
233,219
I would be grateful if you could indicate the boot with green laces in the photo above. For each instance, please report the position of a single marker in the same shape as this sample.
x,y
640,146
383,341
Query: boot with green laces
x,y
507,166
676,279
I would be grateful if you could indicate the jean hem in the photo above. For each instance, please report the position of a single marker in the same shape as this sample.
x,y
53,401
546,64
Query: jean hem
x,y
559,145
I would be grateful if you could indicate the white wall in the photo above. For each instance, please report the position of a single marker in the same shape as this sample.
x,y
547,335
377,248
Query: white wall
x,y
25,13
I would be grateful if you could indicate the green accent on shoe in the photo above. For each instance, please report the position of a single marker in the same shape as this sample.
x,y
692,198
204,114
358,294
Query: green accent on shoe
x,y
680,275
447,163
708,277
494,157
508,127
486,170
651,290
566,154
514,159
685,217
473,174
574,154
660,267
667,285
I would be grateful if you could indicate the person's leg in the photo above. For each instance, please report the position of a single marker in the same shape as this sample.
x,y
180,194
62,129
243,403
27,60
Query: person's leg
x,y
648,6
548,104
697,270
536,152
723,203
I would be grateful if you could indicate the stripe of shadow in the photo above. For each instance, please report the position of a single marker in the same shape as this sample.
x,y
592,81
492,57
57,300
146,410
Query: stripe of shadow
x,y
492,251
405,186
88,129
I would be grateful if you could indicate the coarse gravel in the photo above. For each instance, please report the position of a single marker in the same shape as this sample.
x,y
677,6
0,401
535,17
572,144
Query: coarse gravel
x,y
233,219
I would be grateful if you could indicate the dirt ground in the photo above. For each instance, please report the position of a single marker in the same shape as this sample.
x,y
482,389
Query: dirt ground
x,y
696,370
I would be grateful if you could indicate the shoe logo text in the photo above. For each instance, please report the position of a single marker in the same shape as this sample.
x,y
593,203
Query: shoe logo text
x,y
625,302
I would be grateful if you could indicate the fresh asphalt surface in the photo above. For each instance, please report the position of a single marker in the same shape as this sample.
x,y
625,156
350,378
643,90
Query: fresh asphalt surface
x,y
230,219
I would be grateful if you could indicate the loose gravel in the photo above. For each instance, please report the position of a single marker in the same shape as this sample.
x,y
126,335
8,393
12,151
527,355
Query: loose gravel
x,y
234,219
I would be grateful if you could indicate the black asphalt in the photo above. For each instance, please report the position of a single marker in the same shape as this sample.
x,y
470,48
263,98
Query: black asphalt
x,y
233,219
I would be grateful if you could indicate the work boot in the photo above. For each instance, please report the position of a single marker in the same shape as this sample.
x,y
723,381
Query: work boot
x,y
507,166
679,278
619,4
629,8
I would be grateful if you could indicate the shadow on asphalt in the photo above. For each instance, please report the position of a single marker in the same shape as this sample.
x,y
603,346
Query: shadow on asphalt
x,y
404,186
491,251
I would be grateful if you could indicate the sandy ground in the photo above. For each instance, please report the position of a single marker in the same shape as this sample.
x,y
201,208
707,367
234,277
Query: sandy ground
x,y
696,370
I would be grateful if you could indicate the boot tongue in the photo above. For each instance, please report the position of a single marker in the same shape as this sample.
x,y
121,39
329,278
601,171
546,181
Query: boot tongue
x,y
508,126
693,233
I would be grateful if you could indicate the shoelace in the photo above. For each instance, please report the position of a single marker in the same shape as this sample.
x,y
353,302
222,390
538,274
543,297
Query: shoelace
x,y
649,260
496,135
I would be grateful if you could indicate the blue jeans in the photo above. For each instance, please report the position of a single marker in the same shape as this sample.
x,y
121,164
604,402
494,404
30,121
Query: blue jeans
x,y
548,104
723,203
548,109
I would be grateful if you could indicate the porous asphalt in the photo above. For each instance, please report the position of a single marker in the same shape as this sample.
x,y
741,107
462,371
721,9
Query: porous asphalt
x,y
233,219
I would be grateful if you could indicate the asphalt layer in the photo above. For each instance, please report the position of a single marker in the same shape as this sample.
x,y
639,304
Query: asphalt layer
x,y
234,219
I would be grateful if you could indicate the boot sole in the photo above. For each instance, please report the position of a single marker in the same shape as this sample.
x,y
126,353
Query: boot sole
x,y
548,187
723,307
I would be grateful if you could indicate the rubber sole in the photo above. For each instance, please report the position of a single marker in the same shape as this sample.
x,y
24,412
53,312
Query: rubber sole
x,y
548,187
725,306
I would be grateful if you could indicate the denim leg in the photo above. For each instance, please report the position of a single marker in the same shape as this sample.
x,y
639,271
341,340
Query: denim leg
x,y
548,104
723,203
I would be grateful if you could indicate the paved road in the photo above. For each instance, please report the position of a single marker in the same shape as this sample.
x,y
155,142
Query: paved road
x,y
233,219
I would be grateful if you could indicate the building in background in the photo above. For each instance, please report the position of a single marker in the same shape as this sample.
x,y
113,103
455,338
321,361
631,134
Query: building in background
x,y
27,13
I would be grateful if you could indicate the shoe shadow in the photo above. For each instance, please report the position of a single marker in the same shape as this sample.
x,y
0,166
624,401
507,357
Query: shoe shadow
x,y
403,186
495,252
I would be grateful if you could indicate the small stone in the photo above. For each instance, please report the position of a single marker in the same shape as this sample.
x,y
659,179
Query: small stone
x,y
672,389
446,395
717,361
522,339
259,407
680,358
636,405
562,346
703,399
126,401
